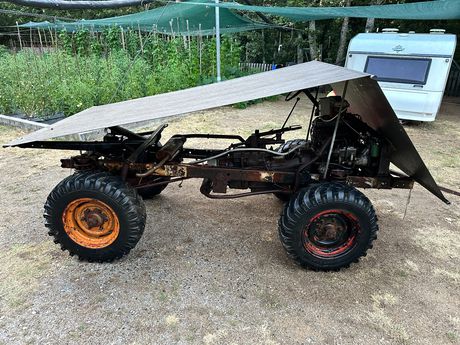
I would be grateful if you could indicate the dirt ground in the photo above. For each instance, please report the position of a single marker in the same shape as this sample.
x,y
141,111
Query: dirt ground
x,y
214,272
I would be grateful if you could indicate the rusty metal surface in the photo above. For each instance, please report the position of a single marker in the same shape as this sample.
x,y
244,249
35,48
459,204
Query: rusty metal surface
x,y
84,162
380,182
225,174
367,100
154,137
170,148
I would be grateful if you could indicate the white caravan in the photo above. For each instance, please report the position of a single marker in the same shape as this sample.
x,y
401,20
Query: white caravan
x,y
412,69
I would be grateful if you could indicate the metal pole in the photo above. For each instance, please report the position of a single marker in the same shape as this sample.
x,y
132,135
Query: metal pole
x,y
344,93
217,42
312,111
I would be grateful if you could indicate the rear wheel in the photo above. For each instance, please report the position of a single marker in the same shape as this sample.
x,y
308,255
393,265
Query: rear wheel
x,y
95,216
291,144
284,197
152,191
328,226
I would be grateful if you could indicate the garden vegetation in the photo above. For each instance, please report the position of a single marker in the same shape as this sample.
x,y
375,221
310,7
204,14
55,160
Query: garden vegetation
x,y
83,69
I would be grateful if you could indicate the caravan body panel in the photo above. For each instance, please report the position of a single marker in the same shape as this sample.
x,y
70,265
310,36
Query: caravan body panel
x,y
412,69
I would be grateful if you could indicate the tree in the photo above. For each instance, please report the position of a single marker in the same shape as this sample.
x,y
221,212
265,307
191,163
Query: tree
x,y
343,37
371,21
312,42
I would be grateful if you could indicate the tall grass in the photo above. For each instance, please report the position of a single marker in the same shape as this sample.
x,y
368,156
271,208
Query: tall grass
x,y
84,70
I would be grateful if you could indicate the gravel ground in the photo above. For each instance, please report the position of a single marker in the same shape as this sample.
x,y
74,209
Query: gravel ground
x,y
214,272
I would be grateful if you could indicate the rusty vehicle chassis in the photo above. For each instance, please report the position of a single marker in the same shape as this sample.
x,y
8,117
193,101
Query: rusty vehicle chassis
x,y
215,179
326,223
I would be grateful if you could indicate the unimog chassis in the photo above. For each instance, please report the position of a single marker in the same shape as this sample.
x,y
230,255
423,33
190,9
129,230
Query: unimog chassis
x,y
98,213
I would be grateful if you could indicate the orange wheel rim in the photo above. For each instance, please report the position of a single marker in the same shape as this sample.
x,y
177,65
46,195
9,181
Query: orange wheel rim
x,y
91,223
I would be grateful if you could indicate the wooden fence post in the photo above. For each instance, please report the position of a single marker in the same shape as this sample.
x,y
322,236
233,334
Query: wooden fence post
x,y
123,38
40,39
19,35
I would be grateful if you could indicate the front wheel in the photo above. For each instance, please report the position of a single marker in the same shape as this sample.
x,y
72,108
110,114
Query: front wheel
x,y
328,226
95,216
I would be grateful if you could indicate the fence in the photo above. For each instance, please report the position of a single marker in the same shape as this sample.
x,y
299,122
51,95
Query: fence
x,y
259,67
452,86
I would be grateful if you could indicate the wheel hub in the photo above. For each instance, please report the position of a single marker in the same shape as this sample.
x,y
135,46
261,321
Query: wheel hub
x,y
94,218
330,233
328,230
91,223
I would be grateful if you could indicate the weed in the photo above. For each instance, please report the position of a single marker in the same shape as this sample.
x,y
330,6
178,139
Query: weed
x,y
452,336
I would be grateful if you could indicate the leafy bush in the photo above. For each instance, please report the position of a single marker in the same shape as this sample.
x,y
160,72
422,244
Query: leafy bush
x,y
86,70
3,50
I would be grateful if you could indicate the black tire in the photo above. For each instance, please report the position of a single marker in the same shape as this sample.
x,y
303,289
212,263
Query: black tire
x,y
283,197
328,226
151,192
291,144
286,147
127,214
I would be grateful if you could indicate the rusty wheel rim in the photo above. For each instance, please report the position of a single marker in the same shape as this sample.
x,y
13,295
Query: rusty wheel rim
x,y
331,233
91,223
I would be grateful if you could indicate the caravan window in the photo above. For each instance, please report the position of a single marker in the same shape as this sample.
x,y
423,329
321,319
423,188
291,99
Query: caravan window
x,y
398,69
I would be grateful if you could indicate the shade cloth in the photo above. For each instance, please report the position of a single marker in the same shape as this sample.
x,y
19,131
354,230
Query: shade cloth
x,y
173,18
425,10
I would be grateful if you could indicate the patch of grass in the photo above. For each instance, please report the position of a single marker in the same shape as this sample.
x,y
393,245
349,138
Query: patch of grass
x,y
9,133
270,300
165,294
402,273
381,320
21,268
385,300
171,320
455,276
412,266
162,296
452,337
439,242
244,105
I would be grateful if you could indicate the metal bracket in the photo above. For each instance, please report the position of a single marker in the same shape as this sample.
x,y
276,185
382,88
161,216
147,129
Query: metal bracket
x,y
135,155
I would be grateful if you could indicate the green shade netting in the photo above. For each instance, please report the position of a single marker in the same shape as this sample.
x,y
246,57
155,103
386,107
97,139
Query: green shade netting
x,y
174,18
426,10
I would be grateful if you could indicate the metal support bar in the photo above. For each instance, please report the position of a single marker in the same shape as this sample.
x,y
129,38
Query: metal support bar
x,y
96,146
217,42
335,129
133,157
380,182
315,107
312,99
226,174
211,136
127,133
290,113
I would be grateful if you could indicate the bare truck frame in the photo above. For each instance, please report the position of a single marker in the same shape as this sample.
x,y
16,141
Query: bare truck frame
x,y
98,213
